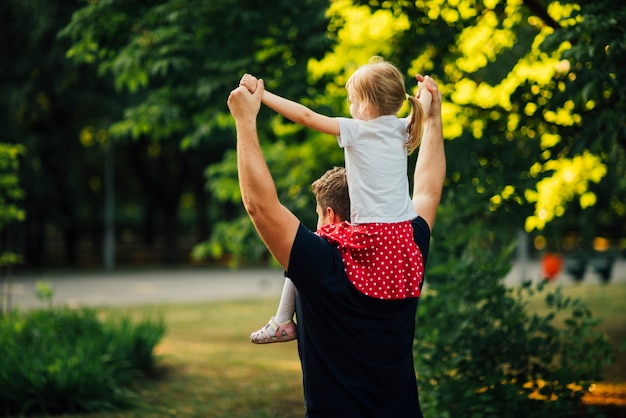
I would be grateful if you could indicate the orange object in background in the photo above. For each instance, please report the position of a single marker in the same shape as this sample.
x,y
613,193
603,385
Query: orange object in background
x,y
551,265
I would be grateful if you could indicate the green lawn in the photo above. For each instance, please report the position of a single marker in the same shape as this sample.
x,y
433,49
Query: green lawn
x,y
210,369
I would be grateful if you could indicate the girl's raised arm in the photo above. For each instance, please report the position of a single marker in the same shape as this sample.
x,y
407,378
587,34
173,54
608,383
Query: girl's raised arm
x,y
294,111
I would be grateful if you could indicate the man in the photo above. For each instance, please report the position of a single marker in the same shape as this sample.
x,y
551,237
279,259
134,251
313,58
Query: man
x,y
355,350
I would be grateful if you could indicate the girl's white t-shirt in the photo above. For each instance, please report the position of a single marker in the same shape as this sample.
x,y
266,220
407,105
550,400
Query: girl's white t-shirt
x,y
376,169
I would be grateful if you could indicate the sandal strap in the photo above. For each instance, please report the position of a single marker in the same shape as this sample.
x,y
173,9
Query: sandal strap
x,y
273,324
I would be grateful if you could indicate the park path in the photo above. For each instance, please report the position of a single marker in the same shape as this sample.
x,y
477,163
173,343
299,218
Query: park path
x,y
197,284
134,287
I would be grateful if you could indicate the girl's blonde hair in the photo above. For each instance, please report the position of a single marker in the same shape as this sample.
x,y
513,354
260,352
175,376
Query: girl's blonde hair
x,y
378,87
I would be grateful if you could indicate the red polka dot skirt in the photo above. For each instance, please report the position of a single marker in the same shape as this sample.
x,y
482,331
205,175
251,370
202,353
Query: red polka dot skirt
x,y
380,259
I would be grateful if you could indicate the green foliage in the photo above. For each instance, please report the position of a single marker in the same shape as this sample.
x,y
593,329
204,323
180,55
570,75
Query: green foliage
x,y
595,90
69,361
9,259
294,167
181,58
155,75
46,102
480,353
596,53
44,292
10,191
176,61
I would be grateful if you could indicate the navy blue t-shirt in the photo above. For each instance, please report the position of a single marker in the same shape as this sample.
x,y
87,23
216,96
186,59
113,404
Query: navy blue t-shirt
x,y
356,351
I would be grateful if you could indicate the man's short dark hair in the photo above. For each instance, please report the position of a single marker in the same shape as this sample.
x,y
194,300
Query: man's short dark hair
x,y
331,190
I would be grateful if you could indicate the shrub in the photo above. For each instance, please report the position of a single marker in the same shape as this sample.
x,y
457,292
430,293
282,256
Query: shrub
x,y
68,361
479,353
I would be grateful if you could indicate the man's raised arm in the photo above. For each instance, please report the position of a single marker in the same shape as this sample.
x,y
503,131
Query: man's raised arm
x,y
430,168
276,225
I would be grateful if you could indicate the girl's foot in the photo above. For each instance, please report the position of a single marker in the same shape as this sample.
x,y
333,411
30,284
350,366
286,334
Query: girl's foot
x,y
274,332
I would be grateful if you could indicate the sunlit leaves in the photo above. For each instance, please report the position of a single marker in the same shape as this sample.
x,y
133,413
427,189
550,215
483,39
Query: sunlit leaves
x,y
451,11
480,44
360,34
570,178
549,140
565,13
453,120
563,116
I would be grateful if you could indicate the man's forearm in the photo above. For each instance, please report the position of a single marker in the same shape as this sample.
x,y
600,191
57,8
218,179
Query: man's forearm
x,y
255,180
430,169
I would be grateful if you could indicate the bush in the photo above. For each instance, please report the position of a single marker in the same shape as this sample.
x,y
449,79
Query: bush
x,y
68,361
479,353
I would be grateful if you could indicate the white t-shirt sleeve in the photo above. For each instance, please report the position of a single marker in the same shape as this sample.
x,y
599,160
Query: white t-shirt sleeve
x,y
348,130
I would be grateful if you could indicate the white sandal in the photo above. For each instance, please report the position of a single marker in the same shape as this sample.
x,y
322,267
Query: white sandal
x,y
282,333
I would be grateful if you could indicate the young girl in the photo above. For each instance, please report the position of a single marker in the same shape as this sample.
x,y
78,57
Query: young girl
x,y
380,256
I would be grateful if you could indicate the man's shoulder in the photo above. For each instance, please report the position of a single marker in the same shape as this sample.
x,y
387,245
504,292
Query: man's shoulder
x,y
307,240
311,255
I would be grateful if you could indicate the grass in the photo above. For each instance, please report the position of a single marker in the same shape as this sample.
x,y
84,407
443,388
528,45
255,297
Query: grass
x,y
208,367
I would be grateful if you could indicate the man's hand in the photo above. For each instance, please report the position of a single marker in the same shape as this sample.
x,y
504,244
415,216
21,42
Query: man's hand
x,y
249,81
243,104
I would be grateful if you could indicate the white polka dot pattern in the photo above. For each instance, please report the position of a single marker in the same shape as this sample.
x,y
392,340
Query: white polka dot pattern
x,y
380,259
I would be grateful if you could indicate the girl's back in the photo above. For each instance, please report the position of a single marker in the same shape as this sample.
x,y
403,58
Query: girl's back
x,y
376,166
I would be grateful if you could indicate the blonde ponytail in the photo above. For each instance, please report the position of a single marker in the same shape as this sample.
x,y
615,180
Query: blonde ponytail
x,y
416,125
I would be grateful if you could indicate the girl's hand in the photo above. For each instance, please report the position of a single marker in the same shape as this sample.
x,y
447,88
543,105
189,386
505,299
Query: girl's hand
x,y
249,81
429,95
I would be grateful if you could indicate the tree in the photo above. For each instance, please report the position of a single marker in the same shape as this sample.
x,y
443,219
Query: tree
x,y
177,61
45,104
595,46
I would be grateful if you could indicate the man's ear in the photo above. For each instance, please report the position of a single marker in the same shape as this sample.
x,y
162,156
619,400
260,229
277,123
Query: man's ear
x,y
332,216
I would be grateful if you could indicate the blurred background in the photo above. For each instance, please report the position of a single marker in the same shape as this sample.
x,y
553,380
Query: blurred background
x,y
118,174
117,148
